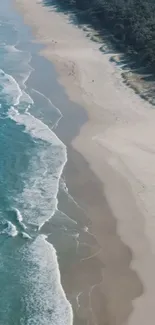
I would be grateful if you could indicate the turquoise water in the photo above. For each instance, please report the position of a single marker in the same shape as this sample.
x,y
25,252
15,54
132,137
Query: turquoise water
x,y
31,163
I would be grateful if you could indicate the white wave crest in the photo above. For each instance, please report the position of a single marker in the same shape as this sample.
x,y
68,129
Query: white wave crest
x,y
19,218
46,302
20,60
9,89
25,235
39,197
10,230
35,127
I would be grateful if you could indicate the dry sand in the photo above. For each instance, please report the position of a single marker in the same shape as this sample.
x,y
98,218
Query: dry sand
x,y
118,143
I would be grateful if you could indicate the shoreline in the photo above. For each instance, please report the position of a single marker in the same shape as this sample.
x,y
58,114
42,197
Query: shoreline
x,y
110,164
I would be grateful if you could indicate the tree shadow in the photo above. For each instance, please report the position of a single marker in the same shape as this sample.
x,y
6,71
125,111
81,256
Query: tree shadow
x,y
120,54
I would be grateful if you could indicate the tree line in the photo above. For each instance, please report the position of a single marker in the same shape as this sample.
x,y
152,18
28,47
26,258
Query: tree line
x,y
131,22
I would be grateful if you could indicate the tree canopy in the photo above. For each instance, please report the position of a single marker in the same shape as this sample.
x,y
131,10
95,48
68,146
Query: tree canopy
x,y
132,22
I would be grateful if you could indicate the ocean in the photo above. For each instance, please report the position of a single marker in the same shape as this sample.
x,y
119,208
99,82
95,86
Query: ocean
x,y
32,159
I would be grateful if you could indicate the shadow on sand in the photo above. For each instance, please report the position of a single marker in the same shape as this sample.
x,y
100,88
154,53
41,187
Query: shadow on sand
x,y
139,78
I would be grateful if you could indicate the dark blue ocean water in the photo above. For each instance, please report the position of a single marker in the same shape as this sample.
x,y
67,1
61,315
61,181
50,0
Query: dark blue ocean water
x,y
31,162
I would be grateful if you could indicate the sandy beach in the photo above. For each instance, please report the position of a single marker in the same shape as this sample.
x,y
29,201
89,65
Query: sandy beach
x,y
110,173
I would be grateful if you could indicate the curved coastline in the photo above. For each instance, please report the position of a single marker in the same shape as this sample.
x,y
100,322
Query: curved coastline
x,y
13,87
114,134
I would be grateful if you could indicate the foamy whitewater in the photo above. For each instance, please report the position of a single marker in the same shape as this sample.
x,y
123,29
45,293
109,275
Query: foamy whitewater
x,y
32,161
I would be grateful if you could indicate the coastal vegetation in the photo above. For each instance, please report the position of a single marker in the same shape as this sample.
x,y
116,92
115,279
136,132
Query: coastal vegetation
x,y
130,22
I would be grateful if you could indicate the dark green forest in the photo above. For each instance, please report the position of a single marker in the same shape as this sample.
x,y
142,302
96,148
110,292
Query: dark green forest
x,y
131,22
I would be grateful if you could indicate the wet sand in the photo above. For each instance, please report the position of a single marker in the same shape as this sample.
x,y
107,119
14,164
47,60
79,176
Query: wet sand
x,y
105,273
96,264
109,275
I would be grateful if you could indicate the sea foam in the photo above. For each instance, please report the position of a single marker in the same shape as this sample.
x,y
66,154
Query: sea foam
x,y
19,218
45,169
9,89
10,229
25,235
46,302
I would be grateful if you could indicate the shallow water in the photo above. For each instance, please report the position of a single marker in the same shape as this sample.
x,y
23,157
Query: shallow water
x,y
31,164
